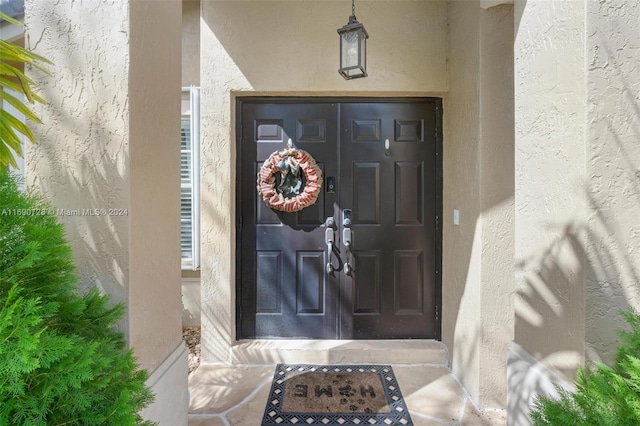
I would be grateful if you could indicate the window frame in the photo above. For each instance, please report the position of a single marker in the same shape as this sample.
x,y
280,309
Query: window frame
x,y
193,113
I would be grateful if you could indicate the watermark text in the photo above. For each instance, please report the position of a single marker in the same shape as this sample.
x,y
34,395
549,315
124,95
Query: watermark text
x,y
64,212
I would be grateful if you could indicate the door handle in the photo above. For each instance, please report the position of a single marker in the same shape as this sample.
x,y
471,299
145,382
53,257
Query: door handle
x,y
332,249
346,230
347,235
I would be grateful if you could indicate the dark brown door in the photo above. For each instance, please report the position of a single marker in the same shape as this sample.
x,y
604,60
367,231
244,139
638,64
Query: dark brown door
x,y
388,180
284,290
383,159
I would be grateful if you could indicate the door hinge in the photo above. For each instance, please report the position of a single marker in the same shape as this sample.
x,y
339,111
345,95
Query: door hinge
x,y
437,223
239,221
437,313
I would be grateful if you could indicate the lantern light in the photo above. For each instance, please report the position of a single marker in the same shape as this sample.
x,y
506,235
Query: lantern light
x,y
353,48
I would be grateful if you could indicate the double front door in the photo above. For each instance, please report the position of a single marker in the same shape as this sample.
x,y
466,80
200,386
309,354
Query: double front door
x,y
363,262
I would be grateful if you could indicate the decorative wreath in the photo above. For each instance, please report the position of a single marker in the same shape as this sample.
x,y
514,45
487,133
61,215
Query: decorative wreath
x,y
289,180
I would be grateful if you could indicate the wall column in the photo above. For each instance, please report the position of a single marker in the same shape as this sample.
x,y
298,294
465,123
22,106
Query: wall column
x,y
478,182
577,239
110,141
496,202
550,202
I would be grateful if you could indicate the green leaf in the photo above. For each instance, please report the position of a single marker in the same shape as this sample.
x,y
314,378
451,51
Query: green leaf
x,y
10,19
16,124
22,54
9,139
20,82
19,106
6,156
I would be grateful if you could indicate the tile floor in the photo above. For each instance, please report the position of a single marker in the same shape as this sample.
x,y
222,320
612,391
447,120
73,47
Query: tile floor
x,y
237,395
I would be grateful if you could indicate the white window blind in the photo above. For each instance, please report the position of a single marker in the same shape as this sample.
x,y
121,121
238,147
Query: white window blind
x,y
190,179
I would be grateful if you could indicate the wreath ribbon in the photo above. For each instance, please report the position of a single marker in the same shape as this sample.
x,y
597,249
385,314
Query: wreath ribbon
x,y
289,180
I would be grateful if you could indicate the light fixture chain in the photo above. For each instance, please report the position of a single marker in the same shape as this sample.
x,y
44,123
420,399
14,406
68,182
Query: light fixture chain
x,y
353,7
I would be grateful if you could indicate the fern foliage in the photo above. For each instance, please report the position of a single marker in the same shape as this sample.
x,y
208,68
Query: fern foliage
x,y
605,395
62,362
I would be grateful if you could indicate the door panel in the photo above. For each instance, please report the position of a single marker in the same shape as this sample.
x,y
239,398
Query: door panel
x,y
366,298
392,290
391,196
310,282
269,282
366,192
407,284
284,291
409,191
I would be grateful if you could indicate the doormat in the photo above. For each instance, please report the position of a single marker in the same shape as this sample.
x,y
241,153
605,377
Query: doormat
x,y
335,395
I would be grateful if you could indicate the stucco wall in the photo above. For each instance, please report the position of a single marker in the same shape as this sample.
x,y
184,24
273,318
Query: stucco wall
x,y
612,170
154,305
81,160
190,43
462,243
550,121
577,91
496,201
242,53
577,192
478,181
109,142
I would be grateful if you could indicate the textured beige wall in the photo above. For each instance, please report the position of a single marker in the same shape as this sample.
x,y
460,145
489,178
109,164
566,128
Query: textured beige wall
x,y
550,132
242,53
109,142
461,243
155,308
496,202
82,158
478,254
577,193
612,170
190,43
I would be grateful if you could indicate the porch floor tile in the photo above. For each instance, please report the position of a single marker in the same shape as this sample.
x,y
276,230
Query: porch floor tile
x,y
236,396
219,389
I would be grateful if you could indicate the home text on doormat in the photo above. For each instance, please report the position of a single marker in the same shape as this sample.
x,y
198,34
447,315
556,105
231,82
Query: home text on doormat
x,y
316,392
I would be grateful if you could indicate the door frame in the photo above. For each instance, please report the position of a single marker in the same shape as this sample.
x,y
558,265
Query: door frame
x,y
241,100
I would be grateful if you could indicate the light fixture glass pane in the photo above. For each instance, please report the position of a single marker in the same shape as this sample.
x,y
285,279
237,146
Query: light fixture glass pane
x,y
362,49
349,49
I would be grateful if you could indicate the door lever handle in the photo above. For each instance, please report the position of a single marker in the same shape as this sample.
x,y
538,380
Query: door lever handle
x,y
348,269
346,237
346,231
332,249
328,239
347,234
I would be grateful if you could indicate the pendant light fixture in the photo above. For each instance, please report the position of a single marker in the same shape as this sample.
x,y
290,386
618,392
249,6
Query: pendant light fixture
x,y
353,48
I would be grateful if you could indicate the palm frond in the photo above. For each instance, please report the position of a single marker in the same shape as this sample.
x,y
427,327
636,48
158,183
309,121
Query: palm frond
x,y
19,105
12,78
10,19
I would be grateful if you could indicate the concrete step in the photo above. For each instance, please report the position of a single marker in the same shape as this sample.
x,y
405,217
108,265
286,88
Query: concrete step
x,y
261,352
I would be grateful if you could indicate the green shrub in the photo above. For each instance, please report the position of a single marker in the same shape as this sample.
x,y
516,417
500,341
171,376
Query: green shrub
x,y
61,359
604,395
